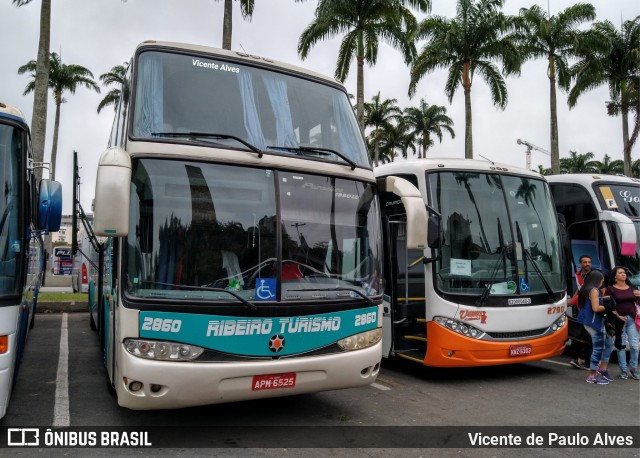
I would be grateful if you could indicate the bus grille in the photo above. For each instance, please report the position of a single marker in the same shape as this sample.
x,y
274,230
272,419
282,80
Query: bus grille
x,y
517,335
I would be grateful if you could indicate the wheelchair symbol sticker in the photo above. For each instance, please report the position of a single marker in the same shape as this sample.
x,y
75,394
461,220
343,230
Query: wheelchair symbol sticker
x,y
524,286
265,289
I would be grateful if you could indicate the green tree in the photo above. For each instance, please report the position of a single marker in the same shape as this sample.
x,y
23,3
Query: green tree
x,y
362,24
246,8
116,76
554,38
395,139
607,166
577,163
62,78
467,45
635,168
380,114
426,121
41,84
611,57
542,170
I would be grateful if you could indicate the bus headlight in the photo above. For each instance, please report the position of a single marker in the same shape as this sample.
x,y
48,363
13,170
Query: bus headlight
x,y
362,340
459,327
559,323
164,351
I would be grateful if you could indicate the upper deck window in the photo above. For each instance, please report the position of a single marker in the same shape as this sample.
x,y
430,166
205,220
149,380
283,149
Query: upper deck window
x,y
232,105
623,198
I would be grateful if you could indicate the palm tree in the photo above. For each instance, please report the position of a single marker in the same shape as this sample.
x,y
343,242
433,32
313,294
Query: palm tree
x,y
362,24
467,45
118,76
39,115
611,57
577,163
380,115
246,8
608,167
554,38
635,168
542,170
424,121
61,78
395,139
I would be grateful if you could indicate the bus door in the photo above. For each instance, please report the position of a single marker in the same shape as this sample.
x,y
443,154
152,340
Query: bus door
x,y
406,291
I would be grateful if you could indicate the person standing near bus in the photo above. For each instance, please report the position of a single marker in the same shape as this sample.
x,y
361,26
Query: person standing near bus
x,y
592,317
581,350
626,296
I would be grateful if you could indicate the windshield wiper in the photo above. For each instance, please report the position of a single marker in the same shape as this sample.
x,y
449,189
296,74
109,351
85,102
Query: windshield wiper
x,y
207,288
354,290
504,249
196,135
533,263
318,150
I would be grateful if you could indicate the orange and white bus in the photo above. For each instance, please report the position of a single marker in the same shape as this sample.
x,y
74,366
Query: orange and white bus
x,y
491,288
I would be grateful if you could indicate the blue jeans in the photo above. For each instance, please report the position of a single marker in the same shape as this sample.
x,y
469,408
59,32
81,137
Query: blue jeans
x,y
602,346
633,337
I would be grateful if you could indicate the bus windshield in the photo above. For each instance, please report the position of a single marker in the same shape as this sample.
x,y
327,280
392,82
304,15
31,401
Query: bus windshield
x,y
500,235
625,199
210,232
11,226
208,101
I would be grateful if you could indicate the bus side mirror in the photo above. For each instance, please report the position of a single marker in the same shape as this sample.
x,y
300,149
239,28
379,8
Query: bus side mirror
x,y
627,231
49,206
111,203
415,210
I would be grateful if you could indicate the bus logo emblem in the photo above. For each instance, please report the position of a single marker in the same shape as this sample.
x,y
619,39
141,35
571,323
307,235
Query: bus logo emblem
x,y
276,343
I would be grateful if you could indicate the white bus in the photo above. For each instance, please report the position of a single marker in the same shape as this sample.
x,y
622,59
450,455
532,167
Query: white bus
x,y
602,214
24,216
491,288
243,258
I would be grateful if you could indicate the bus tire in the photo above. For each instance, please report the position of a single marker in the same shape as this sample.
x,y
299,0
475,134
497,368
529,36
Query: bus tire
x,y
32,323
92,322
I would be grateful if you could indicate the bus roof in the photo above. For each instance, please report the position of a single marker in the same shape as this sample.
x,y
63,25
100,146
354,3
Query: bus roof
x,y
587,179
13,113
237,55
447,163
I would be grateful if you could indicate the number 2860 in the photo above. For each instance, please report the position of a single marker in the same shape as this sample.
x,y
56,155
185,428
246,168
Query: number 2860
x,y
160,324
365,318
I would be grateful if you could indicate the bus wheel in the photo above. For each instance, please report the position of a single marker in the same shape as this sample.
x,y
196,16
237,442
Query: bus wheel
x,y
32,323
92,322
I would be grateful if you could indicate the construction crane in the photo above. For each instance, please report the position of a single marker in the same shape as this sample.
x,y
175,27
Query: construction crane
x,y
531,146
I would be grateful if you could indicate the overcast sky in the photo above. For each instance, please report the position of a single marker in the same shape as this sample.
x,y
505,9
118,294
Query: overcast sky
x,y
99,34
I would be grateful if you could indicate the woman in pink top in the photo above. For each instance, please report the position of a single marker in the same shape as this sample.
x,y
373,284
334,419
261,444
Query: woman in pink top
x,y
626,297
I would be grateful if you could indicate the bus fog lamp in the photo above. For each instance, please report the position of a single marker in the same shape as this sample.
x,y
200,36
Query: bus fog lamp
x,y
135,386
363,340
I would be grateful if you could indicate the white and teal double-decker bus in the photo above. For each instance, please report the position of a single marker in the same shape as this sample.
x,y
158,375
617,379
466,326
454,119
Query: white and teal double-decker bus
x,y
26,212
244,240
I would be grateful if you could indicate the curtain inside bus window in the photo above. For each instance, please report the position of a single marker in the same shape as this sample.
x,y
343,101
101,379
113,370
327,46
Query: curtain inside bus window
x,y
251,118
149,116
277,92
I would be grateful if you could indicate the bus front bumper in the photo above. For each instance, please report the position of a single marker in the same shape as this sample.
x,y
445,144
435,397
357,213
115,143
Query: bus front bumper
x,y
446,348
169,385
